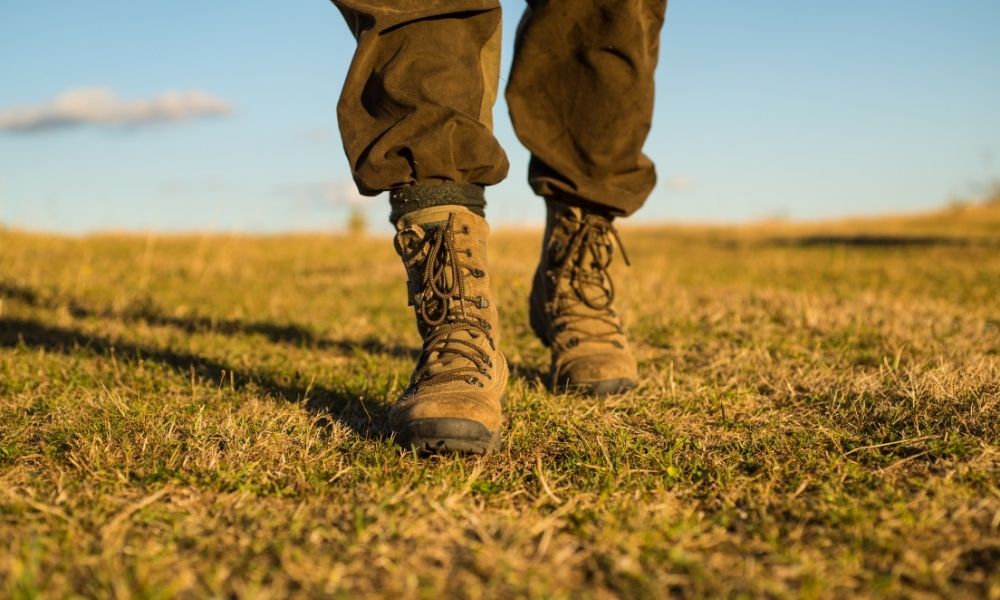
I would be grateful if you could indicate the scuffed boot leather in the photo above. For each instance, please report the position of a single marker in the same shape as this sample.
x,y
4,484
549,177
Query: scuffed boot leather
x,y
572,304
454,400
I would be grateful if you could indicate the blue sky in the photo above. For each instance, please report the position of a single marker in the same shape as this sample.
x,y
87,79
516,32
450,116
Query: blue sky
x,y
789,108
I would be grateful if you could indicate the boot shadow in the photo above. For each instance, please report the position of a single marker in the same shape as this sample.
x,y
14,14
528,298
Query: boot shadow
x,y
149,314
528,374
332,406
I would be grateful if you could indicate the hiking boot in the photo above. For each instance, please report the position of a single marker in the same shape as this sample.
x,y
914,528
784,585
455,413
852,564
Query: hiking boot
x,y
572,304
454,399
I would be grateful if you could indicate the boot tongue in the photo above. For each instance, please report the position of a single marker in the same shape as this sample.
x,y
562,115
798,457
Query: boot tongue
x,y
422,223
441,360
594,260
426,221
431,217
591,261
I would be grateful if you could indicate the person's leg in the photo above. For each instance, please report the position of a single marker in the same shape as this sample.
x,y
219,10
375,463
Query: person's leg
x,y
415,112
581,99
415,117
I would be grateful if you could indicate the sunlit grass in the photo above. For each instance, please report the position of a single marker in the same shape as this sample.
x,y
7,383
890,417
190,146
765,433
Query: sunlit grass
x,y
205,416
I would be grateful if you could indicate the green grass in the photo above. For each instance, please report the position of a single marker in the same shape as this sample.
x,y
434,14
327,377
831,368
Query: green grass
x,y
205,416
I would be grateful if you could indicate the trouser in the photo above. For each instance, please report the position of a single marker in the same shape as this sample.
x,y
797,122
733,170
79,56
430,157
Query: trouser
x,y
415,113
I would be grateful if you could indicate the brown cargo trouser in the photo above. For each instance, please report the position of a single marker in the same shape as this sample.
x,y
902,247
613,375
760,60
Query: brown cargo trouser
x,y
416,106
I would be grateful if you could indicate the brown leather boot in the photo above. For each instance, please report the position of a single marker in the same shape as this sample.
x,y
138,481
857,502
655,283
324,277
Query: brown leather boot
x,y
454,400
572,304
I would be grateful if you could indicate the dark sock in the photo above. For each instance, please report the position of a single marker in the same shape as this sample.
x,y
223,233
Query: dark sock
x,y
416,197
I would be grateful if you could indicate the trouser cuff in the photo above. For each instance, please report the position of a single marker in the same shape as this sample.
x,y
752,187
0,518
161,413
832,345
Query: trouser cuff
x,y
415,197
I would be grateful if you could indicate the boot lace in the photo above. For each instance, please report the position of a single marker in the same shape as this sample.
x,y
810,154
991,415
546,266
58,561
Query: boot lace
x,y
445,311
584,261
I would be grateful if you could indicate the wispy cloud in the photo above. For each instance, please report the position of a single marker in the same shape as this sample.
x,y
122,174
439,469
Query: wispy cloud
x,y
101,106
331,194
315,135
679,183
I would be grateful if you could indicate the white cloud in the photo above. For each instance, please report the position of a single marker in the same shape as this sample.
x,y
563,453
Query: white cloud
x,y
679,183
101,106
315,135
344,193
331,193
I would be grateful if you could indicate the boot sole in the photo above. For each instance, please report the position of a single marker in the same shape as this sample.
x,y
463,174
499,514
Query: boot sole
x,y
449,435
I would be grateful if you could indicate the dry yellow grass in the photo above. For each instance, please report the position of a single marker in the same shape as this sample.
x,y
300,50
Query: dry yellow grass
x,y
197,416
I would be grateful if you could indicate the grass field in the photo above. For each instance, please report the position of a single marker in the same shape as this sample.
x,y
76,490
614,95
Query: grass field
x,y
819,416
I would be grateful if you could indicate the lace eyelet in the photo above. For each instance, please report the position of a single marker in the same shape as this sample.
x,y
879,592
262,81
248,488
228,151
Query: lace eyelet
x,y
465,229
573,342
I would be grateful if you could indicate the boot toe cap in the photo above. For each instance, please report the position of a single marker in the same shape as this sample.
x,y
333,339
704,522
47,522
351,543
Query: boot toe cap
x,y
448,422
597,374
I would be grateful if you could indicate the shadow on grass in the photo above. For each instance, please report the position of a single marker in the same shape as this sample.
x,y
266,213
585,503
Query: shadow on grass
x,y
149,314
882,241
527,373
339,406
146,312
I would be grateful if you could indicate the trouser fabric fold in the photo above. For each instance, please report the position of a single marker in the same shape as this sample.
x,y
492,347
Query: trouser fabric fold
x,y
416,108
